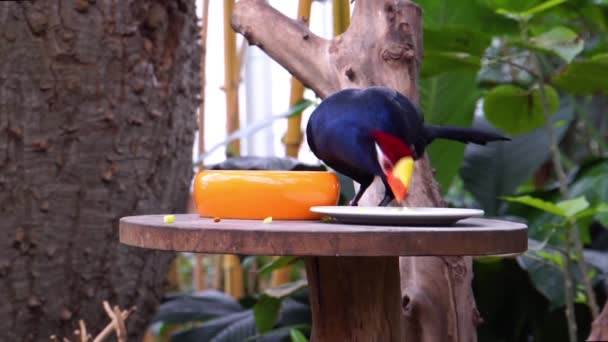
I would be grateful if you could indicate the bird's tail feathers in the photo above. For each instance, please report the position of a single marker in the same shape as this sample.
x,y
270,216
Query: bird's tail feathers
x,y
462,134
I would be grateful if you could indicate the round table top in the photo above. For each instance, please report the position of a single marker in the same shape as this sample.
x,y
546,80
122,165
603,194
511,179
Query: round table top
x,y
192,233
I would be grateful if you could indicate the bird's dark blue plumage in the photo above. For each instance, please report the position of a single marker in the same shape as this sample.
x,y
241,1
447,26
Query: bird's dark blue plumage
x,y
339,132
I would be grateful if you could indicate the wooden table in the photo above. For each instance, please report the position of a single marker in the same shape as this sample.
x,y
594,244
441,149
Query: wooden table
x,y
352,270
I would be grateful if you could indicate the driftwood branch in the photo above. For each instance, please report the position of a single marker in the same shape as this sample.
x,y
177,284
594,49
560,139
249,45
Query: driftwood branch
x,y
383,46
599,328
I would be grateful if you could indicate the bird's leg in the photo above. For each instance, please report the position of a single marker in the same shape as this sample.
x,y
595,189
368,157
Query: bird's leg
x,y
363,186
388,194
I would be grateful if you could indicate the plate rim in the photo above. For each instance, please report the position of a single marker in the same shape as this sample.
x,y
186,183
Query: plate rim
x,y
464,212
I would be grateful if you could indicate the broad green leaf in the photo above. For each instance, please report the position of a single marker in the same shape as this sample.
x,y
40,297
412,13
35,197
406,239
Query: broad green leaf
x,y
286,289
448,99
499,168
276,264
530,12
585,77
601,208
266,311
439,14
592,183
297,336
456,39
573,206
516,110
437,62
543,7
554,257
546,276
560,41
538,204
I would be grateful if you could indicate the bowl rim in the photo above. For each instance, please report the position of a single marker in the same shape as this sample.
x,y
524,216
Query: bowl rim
x,y
268,171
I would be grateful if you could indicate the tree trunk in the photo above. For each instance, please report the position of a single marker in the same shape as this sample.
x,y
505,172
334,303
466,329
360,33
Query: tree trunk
x,y
383,46
97,110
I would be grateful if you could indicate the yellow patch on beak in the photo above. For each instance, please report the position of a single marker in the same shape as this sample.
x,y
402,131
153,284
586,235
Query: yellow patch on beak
x,y
400,177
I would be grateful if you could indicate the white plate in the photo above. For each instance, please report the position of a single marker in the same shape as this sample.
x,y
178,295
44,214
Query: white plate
x,y
397,215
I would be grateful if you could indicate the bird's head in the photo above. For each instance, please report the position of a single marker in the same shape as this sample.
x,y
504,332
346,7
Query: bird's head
x,y
397,162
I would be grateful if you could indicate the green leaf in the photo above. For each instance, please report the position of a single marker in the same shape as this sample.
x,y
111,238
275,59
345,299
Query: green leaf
x,y
573,206
499,168
448,99
543,7
437,62
286,289
539,204
585,77
592,183
560,41
277,263
297,336
457,39
516,110
439,14
266,311
450,48
545,274
529,13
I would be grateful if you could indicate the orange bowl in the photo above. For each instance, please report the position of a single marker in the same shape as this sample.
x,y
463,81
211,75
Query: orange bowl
x,y
246,194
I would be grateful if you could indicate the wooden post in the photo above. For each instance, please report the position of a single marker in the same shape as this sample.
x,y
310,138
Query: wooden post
x,y
382,46
336,283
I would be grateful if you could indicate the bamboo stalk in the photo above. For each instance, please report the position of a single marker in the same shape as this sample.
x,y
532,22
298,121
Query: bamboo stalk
x,y
201,109
294,136
233,272
231,76
341,12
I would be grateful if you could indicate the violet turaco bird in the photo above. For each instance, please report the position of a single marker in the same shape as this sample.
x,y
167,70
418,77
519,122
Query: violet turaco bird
x,y
376,131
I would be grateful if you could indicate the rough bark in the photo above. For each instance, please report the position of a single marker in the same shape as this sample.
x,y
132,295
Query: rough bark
x,y
97,114
383,46
373,313
599,328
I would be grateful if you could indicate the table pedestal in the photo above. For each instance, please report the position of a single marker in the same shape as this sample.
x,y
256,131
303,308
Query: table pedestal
x,y
354,298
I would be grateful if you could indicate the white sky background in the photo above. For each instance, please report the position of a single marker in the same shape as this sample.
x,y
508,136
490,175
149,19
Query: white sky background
x,y
268,89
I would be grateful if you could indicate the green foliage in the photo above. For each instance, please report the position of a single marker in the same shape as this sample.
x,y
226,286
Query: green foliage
x,y
277,263
297,336
561,41
266,311
584,77
566,209
447,99
516,110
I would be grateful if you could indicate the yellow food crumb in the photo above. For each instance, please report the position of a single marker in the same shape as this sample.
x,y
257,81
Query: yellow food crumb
x,y
169,218
268,219
216,219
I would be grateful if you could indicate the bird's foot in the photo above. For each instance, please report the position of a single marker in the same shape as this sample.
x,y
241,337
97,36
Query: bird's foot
x,y
385,201
353,203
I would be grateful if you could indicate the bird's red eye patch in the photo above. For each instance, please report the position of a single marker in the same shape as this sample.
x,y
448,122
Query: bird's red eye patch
x,y
392,147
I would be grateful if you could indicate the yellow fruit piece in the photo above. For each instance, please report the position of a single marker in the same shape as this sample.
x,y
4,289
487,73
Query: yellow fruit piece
x,y
169,218
268,219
